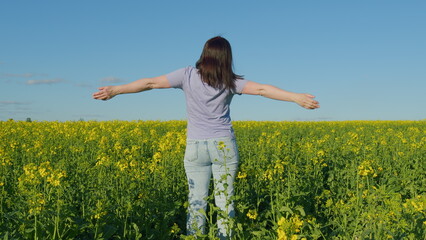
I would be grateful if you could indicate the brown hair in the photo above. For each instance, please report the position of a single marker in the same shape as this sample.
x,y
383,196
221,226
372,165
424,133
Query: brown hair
x,y
215,64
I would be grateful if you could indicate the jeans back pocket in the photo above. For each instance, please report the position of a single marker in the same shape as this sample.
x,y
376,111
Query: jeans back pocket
x,y
227,150
191,151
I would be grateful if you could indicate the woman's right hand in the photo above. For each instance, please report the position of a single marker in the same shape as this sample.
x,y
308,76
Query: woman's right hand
x,y
306,100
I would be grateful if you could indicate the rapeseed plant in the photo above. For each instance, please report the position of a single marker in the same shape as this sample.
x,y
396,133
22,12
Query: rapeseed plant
x,y
117,179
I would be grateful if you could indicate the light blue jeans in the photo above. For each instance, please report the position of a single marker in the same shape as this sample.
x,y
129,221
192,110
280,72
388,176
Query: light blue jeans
x,y
218,156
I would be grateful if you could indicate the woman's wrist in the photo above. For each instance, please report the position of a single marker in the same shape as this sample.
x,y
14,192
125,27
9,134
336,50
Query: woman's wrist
x,y
116,90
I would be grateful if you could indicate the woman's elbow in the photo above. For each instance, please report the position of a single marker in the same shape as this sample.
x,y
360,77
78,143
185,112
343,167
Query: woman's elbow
x,y
261,91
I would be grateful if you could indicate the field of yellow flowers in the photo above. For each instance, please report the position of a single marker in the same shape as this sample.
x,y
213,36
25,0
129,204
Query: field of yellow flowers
x,y
297,180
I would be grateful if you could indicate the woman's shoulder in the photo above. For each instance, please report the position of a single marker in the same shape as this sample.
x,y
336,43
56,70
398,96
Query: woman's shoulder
x,y
183,71
190,69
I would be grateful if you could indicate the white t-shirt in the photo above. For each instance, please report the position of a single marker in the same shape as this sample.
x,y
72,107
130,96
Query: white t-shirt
x,y
207,108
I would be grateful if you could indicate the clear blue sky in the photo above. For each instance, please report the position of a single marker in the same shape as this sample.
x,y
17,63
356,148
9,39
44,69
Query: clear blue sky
x,y
364,60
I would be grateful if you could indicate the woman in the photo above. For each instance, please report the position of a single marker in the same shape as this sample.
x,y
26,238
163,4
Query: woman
x,y
211,146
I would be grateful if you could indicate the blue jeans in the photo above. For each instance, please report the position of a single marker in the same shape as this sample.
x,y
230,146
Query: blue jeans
x,y
218,156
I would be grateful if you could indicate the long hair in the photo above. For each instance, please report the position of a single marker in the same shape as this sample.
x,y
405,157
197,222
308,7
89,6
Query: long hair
x,y
215,64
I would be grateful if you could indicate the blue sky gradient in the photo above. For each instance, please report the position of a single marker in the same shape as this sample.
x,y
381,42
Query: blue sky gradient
x,y
364,60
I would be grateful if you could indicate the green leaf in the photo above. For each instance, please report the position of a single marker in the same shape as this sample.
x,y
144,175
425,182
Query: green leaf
x,y
285,209
240,226
6,236
135,227
109,230
301,210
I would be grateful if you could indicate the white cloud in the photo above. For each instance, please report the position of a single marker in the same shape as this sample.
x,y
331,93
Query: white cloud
x,y
44,81
112,80
83,85
21,75
14,106
9,103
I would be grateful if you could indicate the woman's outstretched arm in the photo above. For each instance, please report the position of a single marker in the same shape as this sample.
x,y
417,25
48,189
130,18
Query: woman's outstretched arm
x,y
303,99
144,84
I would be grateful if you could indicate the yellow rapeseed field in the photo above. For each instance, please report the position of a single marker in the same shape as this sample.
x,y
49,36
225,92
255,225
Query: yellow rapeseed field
x,y
297,180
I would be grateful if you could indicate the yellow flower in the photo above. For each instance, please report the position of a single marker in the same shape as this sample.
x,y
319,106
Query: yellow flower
x,y
43,172
267,175
52,180
288,227
157,156
55,178
282,221
297,222
241,175
281,234
122,165
133,163
175,228
35,210
221,145
252,214
99,215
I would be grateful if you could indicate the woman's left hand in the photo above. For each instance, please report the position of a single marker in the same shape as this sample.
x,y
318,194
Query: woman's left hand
x,y
105,93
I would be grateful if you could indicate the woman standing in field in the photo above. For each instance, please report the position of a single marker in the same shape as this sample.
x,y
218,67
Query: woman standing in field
x,y
211,146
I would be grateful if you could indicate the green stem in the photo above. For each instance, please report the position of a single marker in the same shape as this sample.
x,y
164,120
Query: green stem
x,y
35,227
288,186
56,231
1,205
125,222
96,229
272,205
